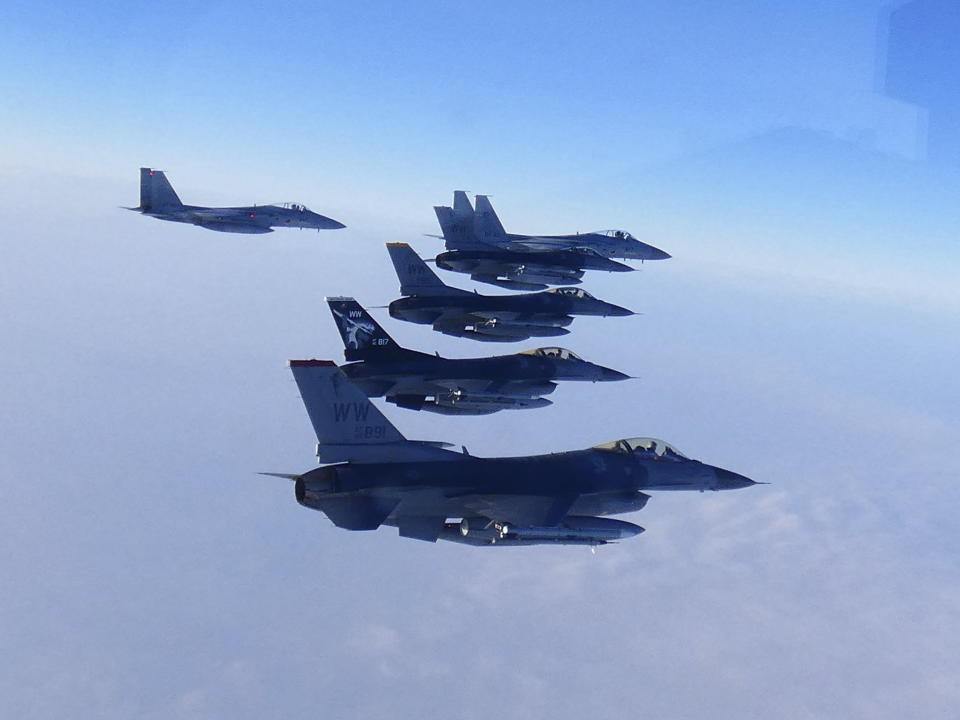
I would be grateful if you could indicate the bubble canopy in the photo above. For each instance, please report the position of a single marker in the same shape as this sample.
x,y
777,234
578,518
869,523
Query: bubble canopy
x,y
552,352
644,447
570,292
622,234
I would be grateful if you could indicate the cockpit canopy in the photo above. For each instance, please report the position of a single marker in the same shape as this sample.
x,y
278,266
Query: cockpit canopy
x,y
552,352
644,447
617,234
296,207
570,292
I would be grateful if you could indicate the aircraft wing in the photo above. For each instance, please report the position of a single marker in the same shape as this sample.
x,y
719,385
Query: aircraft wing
x,y
455,319
488,386
523,510
422,385
540,244
415,385
219,215
470,384
213,219
508,317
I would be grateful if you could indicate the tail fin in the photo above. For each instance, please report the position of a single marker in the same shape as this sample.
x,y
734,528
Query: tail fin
x,y
156,192
349,427
457,228
345,421
457,222
415,277
487,225
461,203
363,337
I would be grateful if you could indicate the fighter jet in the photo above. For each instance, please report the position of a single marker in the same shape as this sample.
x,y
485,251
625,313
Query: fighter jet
x,y
158,199
374,476
490,318
468,386
477,244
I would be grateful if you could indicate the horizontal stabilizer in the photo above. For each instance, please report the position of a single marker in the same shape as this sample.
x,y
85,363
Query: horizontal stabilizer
x,y
421,527
357,512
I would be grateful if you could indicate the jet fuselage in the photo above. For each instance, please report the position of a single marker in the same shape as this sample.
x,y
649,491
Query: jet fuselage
x,y
602,481
624,246
425,309
158,199
251,220
520,367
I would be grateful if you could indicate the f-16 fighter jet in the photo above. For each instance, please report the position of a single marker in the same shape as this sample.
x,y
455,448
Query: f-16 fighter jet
x,y
376,476
469,386
490,318
158,199
477,244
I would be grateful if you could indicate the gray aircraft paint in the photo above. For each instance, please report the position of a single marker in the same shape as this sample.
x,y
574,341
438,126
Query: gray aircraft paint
x,y
478,244
159,200
489,318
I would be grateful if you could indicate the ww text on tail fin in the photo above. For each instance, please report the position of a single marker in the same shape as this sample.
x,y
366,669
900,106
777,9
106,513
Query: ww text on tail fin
x,y
363,338
414,275
457,228
349,427
487,225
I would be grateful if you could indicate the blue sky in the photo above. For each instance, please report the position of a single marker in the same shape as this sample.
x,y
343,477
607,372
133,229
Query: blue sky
x,y
804,333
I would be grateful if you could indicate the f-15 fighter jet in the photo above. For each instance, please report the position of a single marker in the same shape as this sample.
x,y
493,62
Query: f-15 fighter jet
x,y
468,386
158,199
477,244
490,318
378,477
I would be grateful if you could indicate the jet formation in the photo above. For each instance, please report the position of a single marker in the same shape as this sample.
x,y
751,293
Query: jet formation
x,y
371,475
159,200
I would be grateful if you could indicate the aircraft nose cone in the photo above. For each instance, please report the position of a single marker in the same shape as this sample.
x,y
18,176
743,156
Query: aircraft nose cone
x,y
617,311
658,254
322,222
728,480
610,375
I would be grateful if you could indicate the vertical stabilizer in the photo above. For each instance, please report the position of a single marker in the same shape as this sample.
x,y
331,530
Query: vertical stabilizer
x,y
461,203
363,338
414,275
347,424
156,192
349,427
457,229
487,225
456,222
